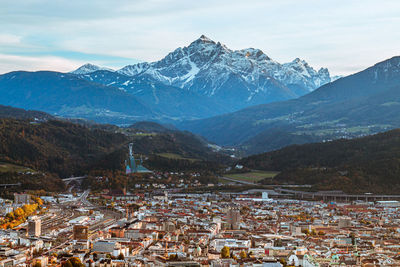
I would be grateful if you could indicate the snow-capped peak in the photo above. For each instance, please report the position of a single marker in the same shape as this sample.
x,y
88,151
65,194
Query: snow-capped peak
x,y
208,67
212,64
88,68
205,39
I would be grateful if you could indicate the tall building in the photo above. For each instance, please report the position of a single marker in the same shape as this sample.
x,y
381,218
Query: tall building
x,y
81,232
34,226
22,198
233,218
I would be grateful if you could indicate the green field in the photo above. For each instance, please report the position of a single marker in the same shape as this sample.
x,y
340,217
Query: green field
x,y
175,156
8,167
253,176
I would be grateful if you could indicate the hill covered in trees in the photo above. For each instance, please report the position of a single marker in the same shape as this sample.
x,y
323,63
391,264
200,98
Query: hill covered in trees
x,y
368,164
55,146
57,149
19,113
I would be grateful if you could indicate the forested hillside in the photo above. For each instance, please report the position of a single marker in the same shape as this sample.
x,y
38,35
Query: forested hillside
x,y
46,151
368,164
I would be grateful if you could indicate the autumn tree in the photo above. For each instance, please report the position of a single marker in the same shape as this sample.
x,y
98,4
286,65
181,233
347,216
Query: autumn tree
x,y
243,254
225,253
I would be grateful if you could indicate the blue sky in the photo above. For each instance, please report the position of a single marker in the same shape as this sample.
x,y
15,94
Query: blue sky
x,y
344,35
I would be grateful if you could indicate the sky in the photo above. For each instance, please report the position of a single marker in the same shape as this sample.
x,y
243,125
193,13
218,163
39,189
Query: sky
x,y
345,36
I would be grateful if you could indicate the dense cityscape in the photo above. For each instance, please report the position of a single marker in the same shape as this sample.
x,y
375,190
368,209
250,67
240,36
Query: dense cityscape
x,y
167,227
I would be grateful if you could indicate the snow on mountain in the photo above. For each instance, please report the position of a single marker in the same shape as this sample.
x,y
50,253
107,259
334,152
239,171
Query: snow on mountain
x,y
212,64
132,70
88,68
219,78
305,75
336,77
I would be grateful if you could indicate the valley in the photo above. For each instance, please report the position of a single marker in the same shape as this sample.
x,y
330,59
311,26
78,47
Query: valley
x,y
199,133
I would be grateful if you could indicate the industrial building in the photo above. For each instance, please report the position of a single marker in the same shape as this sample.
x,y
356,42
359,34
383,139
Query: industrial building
x,y
34,226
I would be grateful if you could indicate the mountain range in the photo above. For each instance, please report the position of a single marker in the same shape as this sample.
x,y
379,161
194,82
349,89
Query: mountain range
x,y
239,98
206,78
360,104
234,79
201,80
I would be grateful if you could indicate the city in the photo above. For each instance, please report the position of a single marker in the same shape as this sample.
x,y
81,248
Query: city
x,y
166,227
213,133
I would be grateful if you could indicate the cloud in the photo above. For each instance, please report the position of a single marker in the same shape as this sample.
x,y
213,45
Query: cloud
x,y
13,63
9,39
338,34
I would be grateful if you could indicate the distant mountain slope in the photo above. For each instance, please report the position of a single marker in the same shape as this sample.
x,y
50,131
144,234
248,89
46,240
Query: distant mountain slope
x,y
172,102
67,95
363,103
88,68
368,164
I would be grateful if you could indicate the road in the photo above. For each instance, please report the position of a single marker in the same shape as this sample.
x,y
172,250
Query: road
x,y
237,181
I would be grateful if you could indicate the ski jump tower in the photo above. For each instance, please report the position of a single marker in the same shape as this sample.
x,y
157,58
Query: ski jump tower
x,y
133,165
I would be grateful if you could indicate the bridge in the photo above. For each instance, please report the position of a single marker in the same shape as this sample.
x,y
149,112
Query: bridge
x,y
336,195
9,185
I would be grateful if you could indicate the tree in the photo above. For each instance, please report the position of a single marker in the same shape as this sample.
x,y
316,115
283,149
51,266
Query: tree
x,y
10,216
243,254
19,213
225,253
38,201
283,261
306,231
67,264
73,262
313,232
121,256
